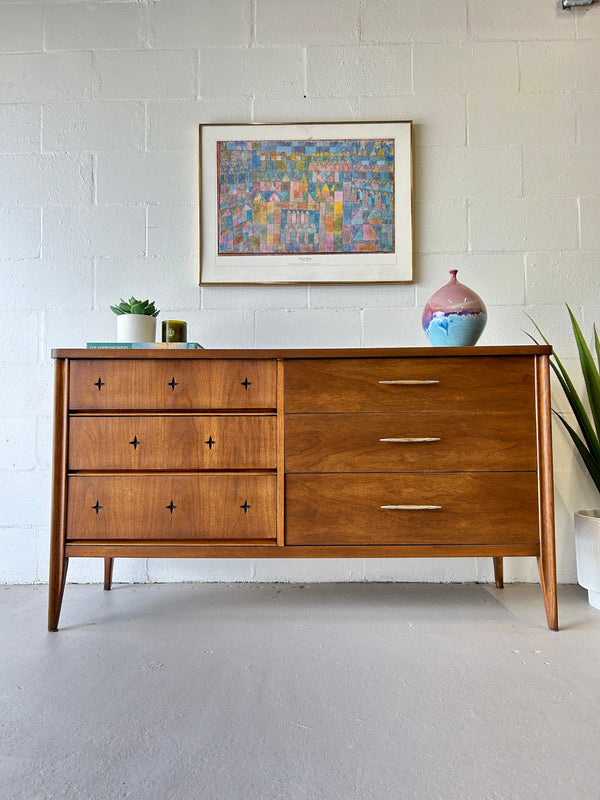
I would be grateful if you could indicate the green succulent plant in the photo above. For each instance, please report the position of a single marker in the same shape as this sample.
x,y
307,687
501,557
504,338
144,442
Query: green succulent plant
x,y
134,306
587,441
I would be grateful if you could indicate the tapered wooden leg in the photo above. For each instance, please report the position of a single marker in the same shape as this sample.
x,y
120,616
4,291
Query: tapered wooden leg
x,y
499,572
56,589
547,570
547,557
58,561
108,573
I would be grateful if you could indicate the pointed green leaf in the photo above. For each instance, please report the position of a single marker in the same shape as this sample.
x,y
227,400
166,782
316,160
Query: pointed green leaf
x,y
589,369
592,463
589,445
577,407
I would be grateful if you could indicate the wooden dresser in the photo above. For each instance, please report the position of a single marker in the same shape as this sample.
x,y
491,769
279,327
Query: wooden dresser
x,y
303,454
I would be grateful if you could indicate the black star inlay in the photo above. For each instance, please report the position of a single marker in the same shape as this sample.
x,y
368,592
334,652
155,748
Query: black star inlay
x,y
97,507
135,442
171,507
246,506
172,383
210,442
99,383
246,383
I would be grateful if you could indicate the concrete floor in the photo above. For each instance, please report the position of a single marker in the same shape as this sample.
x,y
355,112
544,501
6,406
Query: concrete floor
x,y
293,692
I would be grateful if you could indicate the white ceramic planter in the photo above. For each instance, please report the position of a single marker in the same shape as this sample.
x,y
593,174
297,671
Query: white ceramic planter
x,y
136,328
587,550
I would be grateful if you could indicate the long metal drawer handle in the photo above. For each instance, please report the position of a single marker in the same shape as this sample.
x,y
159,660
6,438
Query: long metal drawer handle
x,y
410,508
412,439
408,383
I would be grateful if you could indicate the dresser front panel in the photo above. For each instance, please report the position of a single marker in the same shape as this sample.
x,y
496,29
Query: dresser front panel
x,y
170,385
474,508
410,384
395,442
171,507
172,442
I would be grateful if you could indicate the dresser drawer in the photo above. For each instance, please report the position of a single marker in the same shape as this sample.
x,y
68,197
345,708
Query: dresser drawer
x,y
172,442
474,508
431,441
172,384
462,383
160,507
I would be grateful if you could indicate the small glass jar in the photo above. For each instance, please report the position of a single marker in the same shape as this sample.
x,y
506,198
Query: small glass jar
x,y
174,330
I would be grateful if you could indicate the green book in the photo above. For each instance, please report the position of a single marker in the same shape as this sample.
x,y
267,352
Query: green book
x,y
144,346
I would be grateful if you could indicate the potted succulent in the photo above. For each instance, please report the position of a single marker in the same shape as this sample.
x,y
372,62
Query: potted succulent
x,y
587,442
136,320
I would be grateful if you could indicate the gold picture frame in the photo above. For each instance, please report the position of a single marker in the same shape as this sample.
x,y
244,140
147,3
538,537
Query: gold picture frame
x,y
305,203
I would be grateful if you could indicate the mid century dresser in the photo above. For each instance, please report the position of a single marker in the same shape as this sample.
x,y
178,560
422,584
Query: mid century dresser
x,y
301,454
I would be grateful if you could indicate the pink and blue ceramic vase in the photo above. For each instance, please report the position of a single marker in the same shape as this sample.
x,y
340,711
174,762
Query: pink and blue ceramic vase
x,y
454,316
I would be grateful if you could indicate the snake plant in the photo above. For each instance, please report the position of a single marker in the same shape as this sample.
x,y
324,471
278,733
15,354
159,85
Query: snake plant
x,y
587,440
134,306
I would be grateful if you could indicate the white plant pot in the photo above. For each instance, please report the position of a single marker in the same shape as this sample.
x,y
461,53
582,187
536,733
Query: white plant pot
x,y
587,550
136,328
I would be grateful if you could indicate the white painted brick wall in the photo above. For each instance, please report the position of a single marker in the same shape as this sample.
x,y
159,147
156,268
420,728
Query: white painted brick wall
x,y
290,22
465,68
244,72
100,104
21,28
144,74
94,126
95,26
346,71
40,77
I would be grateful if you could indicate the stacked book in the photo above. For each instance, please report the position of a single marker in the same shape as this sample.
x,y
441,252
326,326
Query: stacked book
x,y
144,346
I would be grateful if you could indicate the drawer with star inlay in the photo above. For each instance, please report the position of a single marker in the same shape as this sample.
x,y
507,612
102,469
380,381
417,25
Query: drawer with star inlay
x,y
221,507
172,384
172,442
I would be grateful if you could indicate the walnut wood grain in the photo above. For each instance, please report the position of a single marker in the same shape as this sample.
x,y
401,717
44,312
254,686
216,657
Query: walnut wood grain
x,y
280,453
353,442
266,549
171,442
498,572
494,403
480,351
108,573
168,385
58,561
547,556
476,508
151,507
466,384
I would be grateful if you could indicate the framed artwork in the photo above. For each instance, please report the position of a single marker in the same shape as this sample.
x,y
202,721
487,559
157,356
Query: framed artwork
x,y
306,203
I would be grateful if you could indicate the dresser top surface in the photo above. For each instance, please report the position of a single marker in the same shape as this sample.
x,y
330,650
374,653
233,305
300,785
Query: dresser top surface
x,y
283,353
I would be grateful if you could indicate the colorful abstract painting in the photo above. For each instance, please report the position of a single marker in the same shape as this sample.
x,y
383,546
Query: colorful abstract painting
x,y
305,196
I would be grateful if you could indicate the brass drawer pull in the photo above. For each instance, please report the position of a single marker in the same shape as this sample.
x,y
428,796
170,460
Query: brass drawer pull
x,y
412,439
410,508
408,383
